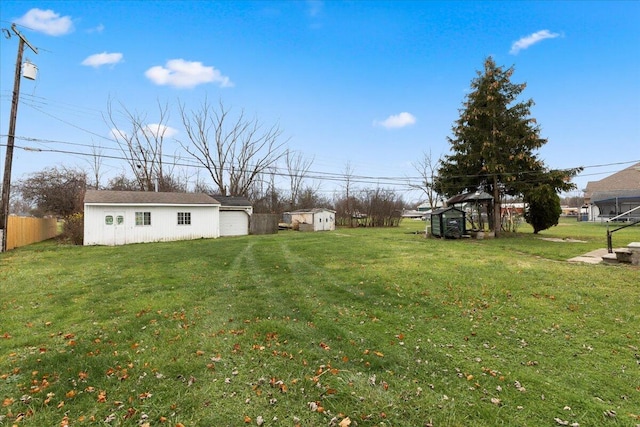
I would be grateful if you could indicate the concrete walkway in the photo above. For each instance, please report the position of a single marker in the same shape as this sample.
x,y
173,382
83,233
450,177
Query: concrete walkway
x,y
593,257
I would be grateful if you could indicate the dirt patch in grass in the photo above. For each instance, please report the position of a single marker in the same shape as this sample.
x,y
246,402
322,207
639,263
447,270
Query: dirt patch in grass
x,y
555,239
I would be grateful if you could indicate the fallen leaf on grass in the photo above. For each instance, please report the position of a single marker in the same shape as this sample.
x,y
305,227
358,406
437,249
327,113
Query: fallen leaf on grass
x,y
345,422
562,422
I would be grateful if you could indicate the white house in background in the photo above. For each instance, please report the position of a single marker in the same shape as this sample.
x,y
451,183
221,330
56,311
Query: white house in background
x,y
235,214
319,219
614,195
122,217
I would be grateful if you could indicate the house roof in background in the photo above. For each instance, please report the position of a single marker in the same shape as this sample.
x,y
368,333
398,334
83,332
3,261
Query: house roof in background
x,y
147,197
626,179
601,196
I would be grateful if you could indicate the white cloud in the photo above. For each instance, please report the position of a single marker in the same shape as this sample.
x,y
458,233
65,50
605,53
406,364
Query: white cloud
x,y
530,40
118,135
46,21
396,121
98,29
158,130
154,130
100,59
186,74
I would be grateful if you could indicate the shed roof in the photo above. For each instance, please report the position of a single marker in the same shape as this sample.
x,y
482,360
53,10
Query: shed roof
x,y
315,210
147,197
470,197
442,210
235,201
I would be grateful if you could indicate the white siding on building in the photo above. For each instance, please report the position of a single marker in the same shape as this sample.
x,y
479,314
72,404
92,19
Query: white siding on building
x,y
321,219
121,227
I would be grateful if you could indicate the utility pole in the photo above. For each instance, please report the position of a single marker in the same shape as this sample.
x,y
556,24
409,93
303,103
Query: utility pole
x,y
6,181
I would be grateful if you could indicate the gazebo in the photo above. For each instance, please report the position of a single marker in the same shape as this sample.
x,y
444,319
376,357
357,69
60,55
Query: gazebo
x,y
475,200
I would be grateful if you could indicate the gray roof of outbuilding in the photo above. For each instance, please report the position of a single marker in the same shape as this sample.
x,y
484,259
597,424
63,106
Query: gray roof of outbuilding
x,y
147,197
237,201
470,197
314,210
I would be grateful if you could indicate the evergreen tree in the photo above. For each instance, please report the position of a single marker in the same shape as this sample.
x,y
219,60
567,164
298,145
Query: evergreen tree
x,y
494,144
543,209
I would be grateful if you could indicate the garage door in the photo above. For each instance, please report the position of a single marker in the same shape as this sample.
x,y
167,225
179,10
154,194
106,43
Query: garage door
x,y
234,223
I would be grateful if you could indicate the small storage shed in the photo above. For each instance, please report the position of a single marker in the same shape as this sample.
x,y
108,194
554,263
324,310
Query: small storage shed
x,y
319,219
448,222
123,217
235,215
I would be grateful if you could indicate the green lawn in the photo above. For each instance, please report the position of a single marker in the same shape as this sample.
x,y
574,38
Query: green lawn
x,y
380,326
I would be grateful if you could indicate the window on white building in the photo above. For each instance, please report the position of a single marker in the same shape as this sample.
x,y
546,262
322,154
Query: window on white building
x,y
184,218
143,218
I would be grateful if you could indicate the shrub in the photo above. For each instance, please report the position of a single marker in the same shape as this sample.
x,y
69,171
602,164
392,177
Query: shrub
x,y
73,230
544,208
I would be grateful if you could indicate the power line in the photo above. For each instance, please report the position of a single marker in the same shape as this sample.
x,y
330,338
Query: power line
x,y
404,182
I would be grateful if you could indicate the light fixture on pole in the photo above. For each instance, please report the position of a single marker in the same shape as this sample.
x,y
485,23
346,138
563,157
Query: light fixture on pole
x,y
6,181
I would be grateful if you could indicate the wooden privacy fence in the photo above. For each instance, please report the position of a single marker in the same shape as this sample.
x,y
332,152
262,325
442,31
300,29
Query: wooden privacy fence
x,y
22,231
263,224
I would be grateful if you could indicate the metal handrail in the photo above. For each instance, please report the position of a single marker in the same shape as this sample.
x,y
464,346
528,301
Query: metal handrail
x,y
610,232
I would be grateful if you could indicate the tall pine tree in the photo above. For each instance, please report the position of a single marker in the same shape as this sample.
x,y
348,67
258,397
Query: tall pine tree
x,y
494,144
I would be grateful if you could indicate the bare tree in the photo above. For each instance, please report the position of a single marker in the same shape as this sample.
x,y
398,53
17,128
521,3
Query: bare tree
x,y
122,183
427,167
265,196
142,145
297,169
235,150
95,165
55,191
383,208
309,197
349,205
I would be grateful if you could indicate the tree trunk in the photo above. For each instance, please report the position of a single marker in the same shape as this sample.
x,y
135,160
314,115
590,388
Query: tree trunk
x,y
496,206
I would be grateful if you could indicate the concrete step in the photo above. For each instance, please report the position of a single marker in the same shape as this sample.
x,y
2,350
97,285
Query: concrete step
x,y
610,258
623,255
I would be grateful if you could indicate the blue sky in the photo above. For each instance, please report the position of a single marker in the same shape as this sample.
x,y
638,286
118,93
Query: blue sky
x,y
373,84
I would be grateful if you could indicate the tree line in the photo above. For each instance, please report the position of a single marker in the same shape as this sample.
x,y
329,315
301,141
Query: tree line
x,y
493,148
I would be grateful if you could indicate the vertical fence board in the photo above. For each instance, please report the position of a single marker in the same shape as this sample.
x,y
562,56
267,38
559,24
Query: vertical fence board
x,y
22,231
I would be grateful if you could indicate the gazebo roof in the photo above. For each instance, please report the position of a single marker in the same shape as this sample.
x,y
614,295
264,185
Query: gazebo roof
x,y
477,196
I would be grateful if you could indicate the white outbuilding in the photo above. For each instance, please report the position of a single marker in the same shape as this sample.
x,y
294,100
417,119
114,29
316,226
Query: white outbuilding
x,y
319,219
235,215
123,217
